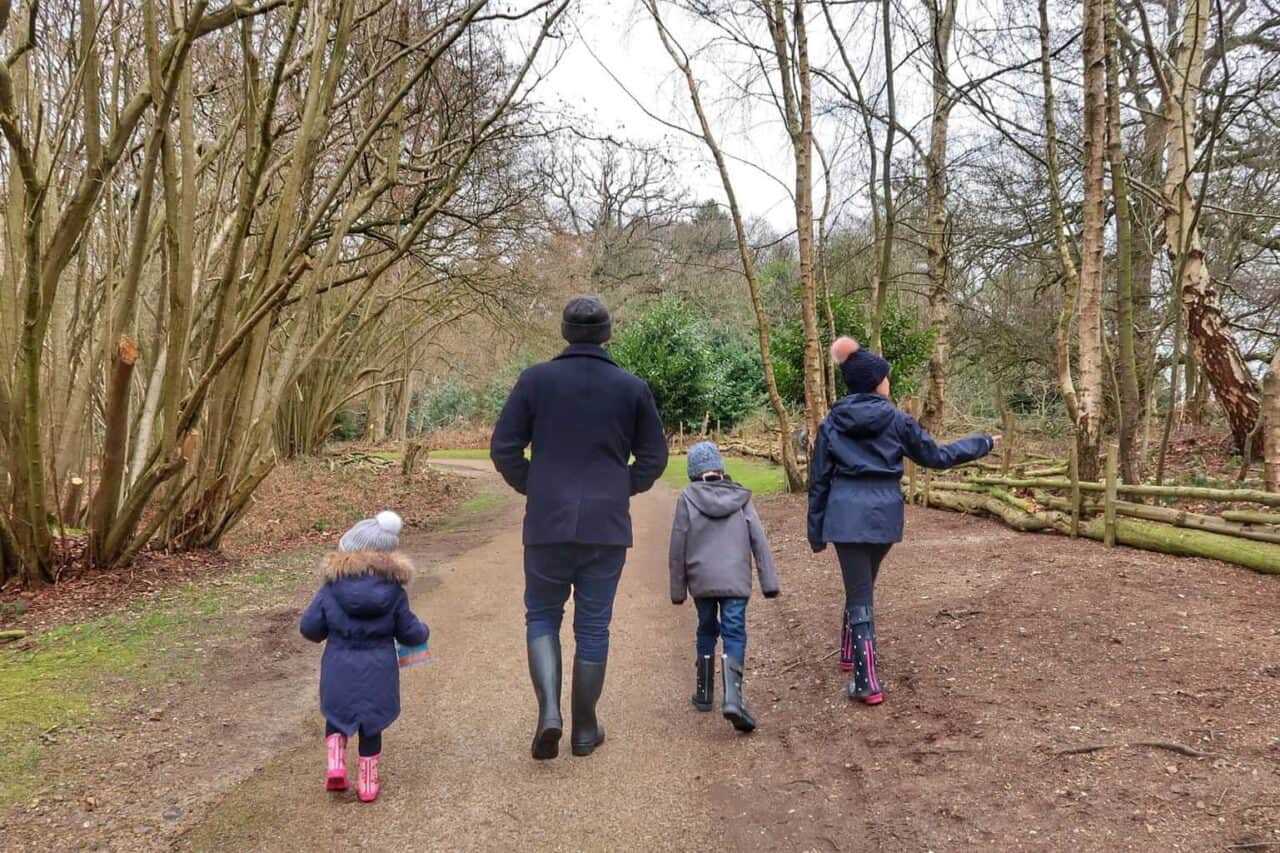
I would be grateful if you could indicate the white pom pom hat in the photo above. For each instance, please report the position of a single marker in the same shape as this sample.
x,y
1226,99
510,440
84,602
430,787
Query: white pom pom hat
x,y
380,533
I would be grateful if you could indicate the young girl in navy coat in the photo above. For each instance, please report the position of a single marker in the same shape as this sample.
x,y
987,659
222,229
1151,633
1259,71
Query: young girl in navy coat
x,y
855,494
362,611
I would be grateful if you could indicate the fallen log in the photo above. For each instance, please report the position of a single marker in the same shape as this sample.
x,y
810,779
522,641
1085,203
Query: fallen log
x,y
1145,535
1179,541
1196,521
1194,492
1245,516
1179,518
11,636
744,449
1010,513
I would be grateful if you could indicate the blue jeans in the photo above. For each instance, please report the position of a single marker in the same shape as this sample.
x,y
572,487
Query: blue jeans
x,y
592,573
722,618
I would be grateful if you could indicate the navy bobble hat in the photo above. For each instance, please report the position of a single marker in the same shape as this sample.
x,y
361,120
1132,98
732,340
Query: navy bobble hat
x,y
863,370
704,457
586,321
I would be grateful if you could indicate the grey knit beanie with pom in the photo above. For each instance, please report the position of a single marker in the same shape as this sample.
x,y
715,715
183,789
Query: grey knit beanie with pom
x,y
380,533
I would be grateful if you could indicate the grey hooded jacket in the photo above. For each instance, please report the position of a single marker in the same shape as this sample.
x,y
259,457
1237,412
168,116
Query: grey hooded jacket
x,y
715,534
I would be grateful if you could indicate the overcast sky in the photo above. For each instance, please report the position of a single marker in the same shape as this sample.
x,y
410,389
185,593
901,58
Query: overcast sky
x,y
617,39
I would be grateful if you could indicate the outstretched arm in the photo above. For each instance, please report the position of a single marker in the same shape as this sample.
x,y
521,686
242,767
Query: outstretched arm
x,y
649,445
820,473
920,446
512,434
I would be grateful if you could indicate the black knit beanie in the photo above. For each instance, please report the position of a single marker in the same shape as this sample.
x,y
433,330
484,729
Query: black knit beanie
x,y
586,321
863,370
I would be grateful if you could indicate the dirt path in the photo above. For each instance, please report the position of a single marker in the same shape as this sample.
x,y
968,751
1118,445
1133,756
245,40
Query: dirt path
x,y
1002,652
457,772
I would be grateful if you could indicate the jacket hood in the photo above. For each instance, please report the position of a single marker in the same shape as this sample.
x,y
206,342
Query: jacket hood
x,y
366,596
717,498
366,584
862,415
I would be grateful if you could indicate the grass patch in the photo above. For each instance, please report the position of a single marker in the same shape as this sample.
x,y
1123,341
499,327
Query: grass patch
x,y
61,681
474,453
475,511
762,478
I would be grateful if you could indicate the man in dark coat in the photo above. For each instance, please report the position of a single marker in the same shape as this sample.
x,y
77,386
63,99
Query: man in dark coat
x,y
586,420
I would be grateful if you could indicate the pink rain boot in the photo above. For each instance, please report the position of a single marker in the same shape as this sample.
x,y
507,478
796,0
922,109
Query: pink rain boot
x,y
336,780
367,788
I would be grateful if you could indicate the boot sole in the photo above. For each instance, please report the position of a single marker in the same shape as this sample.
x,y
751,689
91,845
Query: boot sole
x,y
582,750
846,667
740,722
704,708
336,783
546,745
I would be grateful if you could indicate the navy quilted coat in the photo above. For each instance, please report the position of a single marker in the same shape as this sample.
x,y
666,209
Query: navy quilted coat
x,y
362,610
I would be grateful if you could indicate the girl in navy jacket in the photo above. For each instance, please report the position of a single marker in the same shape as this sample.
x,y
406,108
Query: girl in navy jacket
x,y
855,495
362,611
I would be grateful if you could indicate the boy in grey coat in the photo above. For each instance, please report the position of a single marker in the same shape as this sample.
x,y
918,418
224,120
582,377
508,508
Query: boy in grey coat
x,y
713,539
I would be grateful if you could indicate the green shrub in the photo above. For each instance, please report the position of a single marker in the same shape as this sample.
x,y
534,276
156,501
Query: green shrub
x,y
448,404
905,346
694,366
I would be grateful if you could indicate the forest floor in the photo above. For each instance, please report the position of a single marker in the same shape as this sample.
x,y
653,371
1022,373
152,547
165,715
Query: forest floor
x,y
1003,656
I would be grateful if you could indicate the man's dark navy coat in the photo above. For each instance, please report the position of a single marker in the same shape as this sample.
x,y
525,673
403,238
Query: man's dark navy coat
x,y
585,418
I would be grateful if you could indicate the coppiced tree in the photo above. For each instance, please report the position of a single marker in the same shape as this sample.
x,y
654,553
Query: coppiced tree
x,y
201,204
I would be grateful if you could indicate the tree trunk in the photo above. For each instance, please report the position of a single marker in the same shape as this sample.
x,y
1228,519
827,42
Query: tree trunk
x,y
1215,347
376,433
1070,276
115,446
790,465
1130,397
1089,328
798,114
884,270
942,21
1271,426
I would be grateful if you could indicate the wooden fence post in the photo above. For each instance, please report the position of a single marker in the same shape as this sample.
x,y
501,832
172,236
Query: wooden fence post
x,y
913,494
1073,471
1109,505
1008,441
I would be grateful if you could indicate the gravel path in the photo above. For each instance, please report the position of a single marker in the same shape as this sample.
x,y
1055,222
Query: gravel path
x,y
456,769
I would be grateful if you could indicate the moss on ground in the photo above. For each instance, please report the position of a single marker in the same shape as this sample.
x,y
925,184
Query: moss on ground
x,y
64,679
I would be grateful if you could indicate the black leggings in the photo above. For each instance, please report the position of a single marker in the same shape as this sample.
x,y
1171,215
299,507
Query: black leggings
x,y
370,744
859,565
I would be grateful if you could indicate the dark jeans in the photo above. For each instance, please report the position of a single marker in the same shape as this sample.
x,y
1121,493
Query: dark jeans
x,y
592,573
370,744
722,618
859,565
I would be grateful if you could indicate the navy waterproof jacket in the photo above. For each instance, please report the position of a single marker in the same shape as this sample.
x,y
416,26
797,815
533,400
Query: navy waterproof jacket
x,y
854,477
361,611
585,419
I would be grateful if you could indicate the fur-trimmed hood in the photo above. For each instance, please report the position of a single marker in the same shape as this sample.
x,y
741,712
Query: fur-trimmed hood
x,y
391,565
